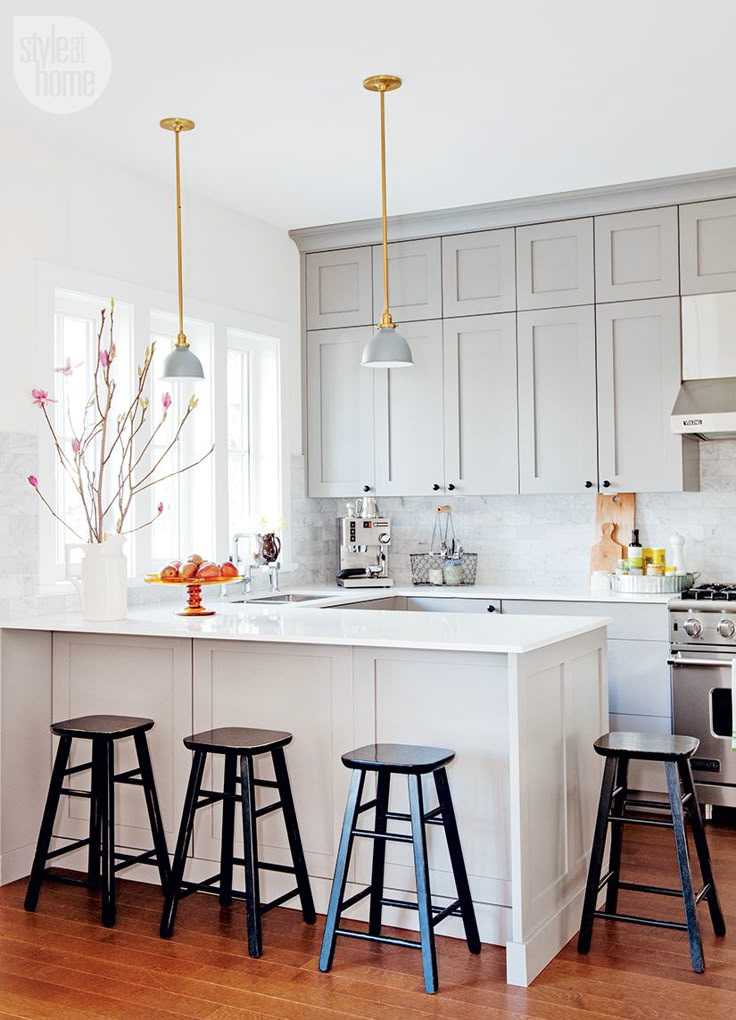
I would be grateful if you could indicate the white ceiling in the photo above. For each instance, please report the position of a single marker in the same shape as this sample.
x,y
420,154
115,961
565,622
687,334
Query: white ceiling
x,y
500,100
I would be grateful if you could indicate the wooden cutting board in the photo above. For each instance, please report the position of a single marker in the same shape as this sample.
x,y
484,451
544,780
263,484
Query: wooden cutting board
x,y
606,553
618,509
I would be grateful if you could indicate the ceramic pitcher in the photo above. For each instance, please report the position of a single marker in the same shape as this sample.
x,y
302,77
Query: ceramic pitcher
x,y
103,583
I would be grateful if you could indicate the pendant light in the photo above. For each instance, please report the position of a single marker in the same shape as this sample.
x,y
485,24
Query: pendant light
x,y
180,363
387,348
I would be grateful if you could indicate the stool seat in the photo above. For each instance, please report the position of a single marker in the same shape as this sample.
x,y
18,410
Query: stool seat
x,y
408,759
113,726
646,746
237,740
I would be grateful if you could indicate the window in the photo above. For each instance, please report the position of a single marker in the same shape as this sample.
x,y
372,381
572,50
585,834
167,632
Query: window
x,y
239,410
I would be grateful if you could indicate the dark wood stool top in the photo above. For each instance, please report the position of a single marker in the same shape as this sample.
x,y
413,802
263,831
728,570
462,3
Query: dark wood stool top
x,y
114,726
412,759
240,739
647,746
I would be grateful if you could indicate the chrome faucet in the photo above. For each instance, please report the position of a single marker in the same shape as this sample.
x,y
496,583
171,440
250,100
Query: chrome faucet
x,y
244,566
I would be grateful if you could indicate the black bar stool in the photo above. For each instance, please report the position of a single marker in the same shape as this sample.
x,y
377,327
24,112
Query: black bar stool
x,y
674,752
103,861
413,762
236,742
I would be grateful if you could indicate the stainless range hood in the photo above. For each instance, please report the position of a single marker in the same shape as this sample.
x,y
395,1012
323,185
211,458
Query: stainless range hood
x,y
706,403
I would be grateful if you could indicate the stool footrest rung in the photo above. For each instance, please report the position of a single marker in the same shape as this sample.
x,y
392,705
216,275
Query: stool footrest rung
x,y
433,817
607,878
276,806
656,890
440,913
132,776
127,860
368,805
68,791
187,888
77,768
388,939
355,898
654,922
628,820
60,851
64,879
286,869
265,907
389,836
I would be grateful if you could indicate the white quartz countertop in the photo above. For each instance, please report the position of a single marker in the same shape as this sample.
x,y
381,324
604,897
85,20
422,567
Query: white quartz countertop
x,y
318,623
486,591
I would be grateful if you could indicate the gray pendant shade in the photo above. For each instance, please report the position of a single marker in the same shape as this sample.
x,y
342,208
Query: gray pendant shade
x,y
387,349
181,363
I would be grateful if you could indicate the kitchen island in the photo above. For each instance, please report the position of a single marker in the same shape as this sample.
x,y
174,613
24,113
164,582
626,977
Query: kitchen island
x,y
520,699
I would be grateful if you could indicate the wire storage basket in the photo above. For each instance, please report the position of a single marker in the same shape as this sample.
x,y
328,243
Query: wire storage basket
x,y
423,563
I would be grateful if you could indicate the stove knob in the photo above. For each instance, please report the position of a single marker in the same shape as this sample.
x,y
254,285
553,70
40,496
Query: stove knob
x,y
726,628
693,627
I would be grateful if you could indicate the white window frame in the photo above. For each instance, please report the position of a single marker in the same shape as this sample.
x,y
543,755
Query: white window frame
x,y
144,300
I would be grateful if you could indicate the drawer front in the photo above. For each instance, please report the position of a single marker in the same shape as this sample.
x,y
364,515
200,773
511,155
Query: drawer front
x,y
431,604
631,621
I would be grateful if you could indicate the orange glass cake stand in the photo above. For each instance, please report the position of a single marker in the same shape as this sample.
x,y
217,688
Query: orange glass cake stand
x,y
194,585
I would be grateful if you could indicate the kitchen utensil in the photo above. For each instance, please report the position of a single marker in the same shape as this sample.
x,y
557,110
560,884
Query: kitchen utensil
x,y
618,508
366,506
605,553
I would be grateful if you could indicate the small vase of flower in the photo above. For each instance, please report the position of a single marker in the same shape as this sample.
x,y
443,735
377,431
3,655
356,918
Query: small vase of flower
x,y
110,461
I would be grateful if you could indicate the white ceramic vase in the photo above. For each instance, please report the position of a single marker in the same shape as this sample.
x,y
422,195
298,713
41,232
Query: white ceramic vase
x,y
103,586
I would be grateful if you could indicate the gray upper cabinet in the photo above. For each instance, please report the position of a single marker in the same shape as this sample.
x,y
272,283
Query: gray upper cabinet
x,y
481,441
636,255
340,420
557,400
638,366
414,280
339,288
479,273
554,264
708,246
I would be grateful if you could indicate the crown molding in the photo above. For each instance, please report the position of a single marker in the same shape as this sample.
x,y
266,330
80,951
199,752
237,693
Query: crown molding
x,y
699,187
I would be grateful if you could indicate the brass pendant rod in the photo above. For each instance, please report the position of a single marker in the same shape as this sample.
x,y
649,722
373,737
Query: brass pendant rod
x,y
386,319
181,340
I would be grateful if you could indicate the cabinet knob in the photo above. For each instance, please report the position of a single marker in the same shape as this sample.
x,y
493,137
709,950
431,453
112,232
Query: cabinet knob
x,y
491,608
588,485
366,488
435,487
451,487
606,484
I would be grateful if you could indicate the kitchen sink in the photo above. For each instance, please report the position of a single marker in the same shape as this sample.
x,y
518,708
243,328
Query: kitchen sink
x,y
291,597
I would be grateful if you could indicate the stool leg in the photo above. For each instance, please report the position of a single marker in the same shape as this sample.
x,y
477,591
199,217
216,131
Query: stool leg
x,y
334,909
454,847
617,835
107,822
701,845
47,823
292,833
250,856
596,856
383,787
228,831
182,844
97,786
421,871
683,864
154,811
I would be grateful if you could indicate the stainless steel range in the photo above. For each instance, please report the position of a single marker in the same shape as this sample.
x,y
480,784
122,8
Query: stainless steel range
x,y
703,645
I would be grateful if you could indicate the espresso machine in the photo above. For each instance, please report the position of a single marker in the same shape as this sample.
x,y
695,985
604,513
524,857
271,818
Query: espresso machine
x,y
362,552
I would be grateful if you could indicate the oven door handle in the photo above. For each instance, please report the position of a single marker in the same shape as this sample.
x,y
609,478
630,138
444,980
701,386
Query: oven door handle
x,y
728,663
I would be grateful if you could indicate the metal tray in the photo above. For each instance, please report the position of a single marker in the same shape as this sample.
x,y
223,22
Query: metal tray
x,y
641,584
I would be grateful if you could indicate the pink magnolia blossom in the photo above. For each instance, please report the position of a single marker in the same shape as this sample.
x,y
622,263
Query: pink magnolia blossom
x,y
160,508
32,481
166,401
104,358
41,397
75,445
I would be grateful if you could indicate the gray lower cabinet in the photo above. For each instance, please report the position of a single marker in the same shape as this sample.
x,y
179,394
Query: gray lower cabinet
x,y
340,413
708,246
636,255
554,264
479,273
557,400
480,405
414,280
638,371
339,288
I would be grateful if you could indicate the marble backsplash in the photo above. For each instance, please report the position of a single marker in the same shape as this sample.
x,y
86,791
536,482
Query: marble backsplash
x,y
529,539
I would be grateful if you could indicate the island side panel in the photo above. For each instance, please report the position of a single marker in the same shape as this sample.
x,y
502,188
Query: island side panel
x,y
456,700
558,706
25,747
307,690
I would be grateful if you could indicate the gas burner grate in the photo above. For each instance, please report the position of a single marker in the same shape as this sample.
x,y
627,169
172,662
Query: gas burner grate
x,y
711,593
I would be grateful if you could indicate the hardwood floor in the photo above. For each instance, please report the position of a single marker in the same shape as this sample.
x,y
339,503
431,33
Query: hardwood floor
x,y
60,964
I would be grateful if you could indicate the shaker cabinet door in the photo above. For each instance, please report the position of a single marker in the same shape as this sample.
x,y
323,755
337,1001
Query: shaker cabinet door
x,y
481,440
638,379
708,246
554,264
339,288
414,280
409,428
479,273
636,255
339,412
557,400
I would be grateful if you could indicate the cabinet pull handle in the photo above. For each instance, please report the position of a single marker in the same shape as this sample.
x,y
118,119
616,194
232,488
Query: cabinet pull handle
x,y
588,485
491,608
606,484
435,487
366,488
451,487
